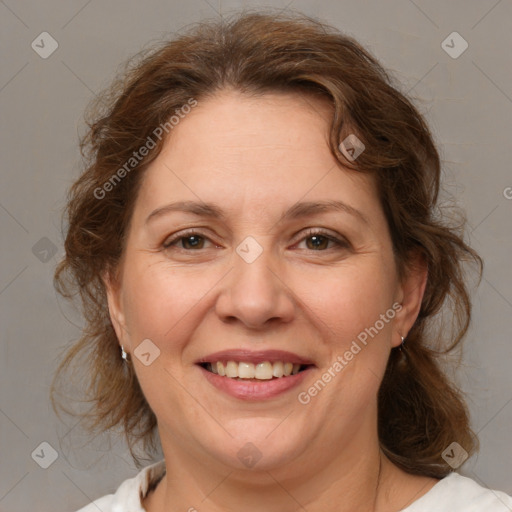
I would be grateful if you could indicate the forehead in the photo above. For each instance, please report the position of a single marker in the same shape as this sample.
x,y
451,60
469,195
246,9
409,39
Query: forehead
x,y
274,128
251,152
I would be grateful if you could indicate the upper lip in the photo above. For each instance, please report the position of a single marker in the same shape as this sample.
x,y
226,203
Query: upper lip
x,y
255,357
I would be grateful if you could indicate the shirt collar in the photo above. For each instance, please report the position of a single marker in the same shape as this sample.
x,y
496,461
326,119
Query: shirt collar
x,y
129,495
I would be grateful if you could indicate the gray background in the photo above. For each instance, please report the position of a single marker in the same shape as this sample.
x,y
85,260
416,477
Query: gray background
x,y
467,101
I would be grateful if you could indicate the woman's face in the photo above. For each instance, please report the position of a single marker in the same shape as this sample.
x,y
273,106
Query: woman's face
x,y
254,275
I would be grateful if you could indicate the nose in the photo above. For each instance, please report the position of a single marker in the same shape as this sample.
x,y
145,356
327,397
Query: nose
x,y
255,293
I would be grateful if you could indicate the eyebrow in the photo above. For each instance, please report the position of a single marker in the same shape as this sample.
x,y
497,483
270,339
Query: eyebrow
x,y
298,210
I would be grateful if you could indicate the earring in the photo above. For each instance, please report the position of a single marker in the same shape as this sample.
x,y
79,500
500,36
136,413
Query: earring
x,y
402,344
124,355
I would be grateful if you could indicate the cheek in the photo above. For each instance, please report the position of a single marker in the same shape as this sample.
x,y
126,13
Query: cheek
x,y
357,318
165,303
155,300
351,298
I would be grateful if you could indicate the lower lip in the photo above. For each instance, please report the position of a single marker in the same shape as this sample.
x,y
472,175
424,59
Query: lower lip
x,y
255,390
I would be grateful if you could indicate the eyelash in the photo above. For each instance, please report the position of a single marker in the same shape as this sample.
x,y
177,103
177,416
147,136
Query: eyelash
x,y
308,234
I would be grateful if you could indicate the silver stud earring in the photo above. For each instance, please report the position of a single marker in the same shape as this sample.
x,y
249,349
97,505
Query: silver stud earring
x,y
124,355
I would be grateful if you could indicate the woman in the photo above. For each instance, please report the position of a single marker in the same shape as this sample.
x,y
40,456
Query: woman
x,y
256,243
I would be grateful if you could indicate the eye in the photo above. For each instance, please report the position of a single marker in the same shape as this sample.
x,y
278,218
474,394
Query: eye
x,y
189,240
320,240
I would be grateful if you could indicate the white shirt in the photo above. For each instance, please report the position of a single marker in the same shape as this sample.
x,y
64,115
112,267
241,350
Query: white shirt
x,y
454,493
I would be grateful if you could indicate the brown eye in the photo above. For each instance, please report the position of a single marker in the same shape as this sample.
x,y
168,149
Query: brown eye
x,y
186,241
193,242
319,241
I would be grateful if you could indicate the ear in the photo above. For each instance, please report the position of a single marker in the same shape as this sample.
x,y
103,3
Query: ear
x,y
410,295
115,308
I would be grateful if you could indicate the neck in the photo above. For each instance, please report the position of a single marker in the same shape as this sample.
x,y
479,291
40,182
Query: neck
x,y
352,481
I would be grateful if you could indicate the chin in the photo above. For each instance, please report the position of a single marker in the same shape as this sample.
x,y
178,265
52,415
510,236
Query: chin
x,y
260,445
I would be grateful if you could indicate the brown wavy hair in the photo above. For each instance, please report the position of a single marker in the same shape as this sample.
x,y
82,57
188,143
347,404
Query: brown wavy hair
x,y
421,412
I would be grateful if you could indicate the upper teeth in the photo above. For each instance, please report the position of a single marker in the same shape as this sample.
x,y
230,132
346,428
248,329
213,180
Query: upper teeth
x,y
262,371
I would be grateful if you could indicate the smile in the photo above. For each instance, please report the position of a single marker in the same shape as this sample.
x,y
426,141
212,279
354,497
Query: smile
x,y
265,370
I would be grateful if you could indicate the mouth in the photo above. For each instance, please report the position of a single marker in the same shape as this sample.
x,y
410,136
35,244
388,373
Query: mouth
x,y
243,370
251,375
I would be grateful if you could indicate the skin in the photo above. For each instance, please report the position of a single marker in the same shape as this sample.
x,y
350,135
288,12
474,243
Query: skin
x,y
256,157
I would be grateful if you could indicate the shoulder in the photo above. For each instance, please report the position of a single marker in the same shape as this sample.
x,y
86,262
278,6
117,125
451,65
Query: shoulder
x,y
456,492
129,494
104,504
